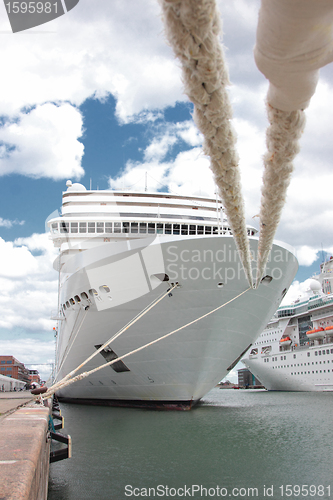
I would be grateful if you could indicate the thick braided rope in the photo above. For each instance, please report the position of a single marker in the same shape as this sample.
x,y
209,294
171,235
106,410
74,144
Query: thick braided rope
x,y
282,138
192,29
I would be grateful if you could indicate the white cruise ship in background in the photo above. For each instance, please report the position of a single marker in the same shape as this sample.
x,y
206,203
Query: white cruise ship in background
x,y
295,350
119,252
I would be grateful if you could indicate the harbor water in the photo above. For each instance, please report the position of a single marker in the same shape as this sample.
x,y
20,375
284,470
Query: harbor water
x,y
235,444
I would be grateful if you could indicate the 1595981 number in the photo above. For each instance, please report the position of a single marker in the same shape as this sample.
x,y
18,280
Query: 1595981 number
x,y
304,490
32,7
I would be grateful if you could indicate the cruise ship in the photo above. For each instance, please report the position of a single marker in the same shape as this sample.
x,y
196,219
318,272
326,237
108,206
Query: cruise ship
x,y
295,351
169,262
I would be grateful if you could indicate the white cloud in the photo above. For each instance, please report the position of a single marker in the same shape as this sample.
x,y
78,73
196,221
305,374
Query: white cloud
x,y
186,173
28,284
133,177
250,146
189,172
167,135
92,51
15,261
189,133
35,355
96,49
43,143
10,223
306,255
159,147
297,290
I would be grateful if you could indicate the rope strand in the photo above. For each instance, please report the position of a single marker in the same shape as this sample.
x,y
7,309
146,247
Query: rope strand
x,y
193,29
282,138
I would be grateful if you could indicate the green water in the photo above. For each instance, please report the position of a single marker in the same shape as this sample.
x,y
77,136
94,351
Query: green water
x,y
235,444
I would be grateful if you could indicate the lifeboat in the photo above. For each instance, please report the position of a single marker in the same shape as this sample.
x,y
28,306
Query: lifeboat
x,y
317,333
329,328
285,341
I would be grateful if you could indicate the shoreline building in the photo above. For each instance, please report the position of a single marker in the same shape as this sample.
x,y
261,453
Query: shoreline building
x,y
13,368
247,379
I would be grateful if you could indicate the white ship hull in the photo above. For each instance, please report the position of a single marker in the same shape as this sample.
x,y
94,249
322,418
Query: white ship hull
x,y
307,372
181,369
295,351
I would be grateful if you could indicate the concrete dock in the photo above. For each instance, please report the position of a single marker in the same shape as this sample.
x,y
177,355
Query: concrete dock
x,y
11,400
24,447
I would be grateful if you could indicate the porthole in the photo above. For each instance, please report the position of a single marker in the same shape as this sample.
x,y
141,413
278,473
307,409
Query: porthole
x,y
220,285
93,292
84,296
104,289
77,299
159,277
266,279
72,301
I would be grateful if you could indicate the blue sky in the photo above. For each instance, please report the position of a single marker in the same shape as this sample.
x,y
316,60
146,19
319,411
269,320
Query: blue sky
x,y
108,146
96,96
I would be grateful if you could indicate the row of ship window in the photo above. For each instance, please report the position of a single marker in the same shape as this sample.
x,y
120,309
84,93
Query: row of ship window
x,y
324,351
299,364
267,349
84,296
136,228
317,353
271,333
265,341
317,371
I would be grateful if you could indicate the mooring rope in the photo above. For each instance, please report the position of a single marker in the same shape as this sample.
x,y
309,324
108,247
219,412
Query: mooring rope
x,y
57,385
66,382
282,141
69,345
193,30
